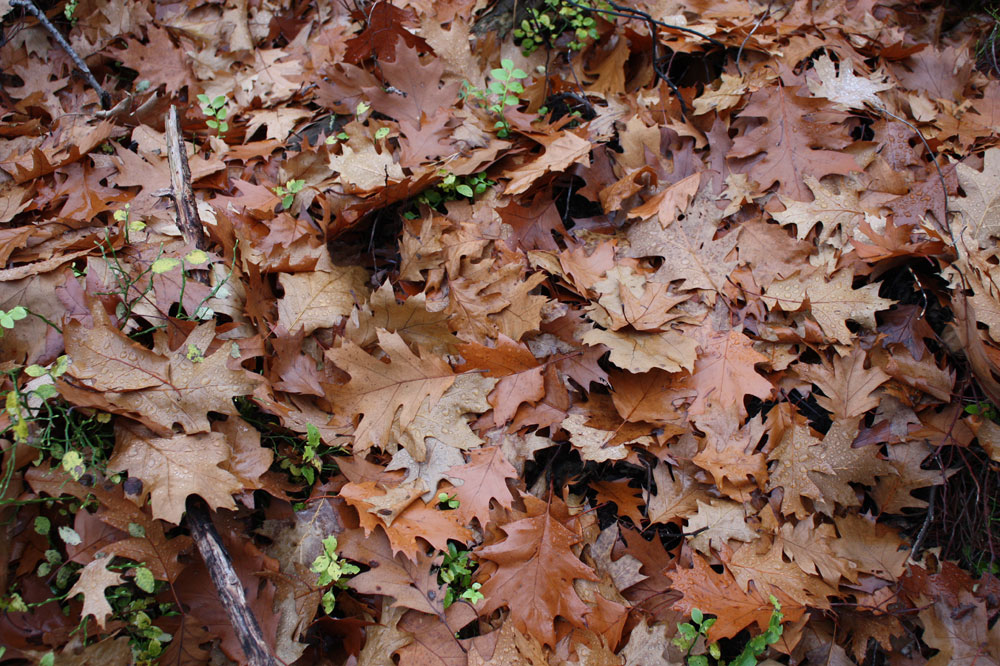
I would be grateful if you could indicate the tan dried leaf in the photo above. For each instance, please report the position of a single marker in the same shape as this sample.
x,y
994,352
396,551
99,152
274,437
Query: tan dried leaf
x,y
384,393
171,468
319,299
720,521
95,578
640,352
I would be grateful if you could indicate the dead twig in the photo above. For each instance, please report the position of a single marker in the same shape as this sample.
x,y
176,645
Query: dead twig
x,y
180,185
103,94
220,568
213,552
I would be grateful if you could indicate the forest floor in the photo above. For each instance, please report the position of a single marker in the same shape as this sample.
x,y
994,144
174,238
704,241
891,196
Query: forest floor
x,y
653,333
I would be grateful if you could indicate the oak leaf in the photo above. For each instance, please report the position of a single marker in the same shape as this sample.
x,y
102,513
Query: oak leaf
x,y
960,632
978,209
844,88
363,169
535,574
95,578
809,545
872,548
798,453
383,392
416,520
171,468
793,143
532,225
496,301
593,444
724,372
715,523
894,492
410,319
831,303
625,497
647,397
445,420
628,298
677,495
412,584
160,554
158,389
729,453
438,460
850,465
847,386
689,248
561,150
639,352
519,373
771,574
666,204
319,299
483,481
736,607
833,206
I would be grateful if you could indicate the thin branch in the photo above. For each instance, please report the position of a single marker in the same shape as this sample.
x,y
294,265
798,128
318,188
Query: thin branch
x,y
231,594
103,94
631,13
188,219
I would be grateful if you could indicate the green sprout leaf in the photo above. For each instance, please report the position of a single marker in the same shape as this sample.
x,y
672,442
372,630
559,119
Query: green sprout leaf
x,y
69,535
42,525
144,580
164,265
196,257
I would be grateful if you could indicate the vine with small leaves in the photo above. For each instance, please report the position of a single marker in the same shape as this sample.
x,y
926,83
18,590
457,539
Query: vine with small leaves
x,y
502,92
216,110
545,25
332,570
456,572
689,634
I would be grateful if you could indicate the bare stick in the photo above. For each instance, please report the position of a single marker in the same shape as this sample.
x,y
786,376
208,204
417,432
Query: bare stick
x,y
77,60
217,560
180,185
220,568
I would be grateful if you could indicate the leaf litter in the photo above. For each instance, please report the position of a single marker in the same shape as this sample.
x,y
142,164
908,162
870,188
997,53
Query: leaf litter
x,y
683,328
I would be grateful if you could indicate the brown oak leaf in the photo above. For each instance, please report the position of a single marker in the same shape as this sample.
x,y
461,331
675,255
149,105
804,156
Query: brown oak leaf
x,y
383,392
484,480
536,570
95,578
171,468
159,389
794,141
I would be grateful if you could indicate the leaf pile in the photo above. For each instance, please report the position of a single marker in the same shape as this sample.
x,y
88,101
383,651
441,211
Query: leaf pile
x,y
706,336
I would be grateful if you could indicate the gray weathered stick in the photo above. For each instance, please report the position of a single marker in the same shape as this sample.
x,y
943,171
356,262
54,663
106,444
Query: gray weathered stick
x,y
220,568
180,185
220,565
77,60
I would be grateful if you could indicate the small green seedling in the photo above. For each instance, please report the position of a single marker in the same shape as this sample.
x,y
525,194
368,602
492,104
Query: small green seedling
x,y
69,11
9,317
217,111
985,409
288,192
456,573
688,634
360,110
331,569
503,92
551,21
452,188
446,501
